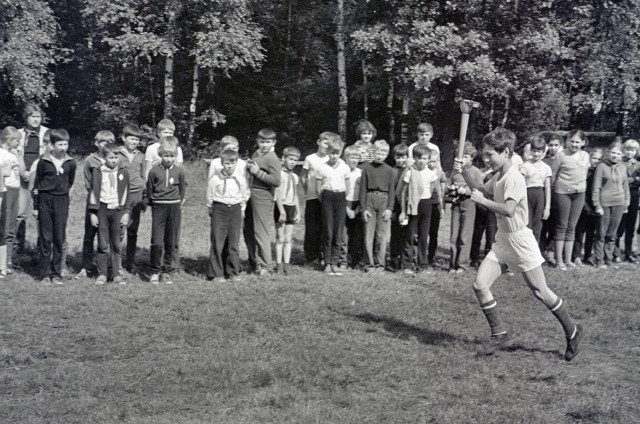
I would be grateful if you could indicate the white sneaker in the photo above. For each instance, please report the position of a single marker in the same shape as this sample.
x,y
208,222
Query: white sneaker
x,y
155,279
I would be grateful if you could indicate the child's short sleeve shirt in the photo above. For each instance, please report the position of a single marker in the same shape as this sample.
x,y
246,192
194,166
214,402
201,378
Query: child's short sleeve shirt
x,y
428,178
510,186
311,164
287,188
353,190
334,177
13,179
535,173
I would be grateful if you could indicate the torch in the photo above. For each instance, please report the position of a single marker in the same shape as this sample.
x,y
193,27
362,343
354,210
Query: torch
x,y
465,107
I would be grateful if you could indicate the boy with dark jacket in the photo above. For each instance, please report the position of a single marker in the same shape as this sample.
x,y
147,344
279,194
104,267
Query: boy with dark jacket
x,y
109,211
166,186
54,178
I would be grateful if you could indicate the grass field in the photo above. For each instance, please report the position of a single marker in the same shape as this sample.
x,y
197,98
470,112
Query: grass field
x,y
308,348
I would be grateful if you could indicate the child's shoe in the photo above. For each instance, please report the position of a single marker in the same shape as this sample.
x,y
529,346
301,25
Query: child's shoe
x,y
336,270
155,279
573,344
166,278
285,269
278,269
497,342
328,270
101,280
82,274
46,281
57,281
118,279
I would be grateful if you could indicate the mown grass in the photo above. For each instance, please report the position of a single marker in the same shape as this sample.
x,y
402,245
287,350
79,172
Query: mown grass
x,y
309,348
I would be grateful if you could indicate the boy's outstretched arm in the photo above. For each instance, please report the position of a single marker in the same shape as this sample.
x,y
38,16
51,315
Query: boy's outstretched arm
x,y
508,208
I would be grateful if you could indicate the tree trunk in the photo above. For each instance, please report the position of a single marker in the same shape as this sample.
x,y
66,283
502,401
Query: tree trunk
x,y
506,112
342,75
168,63
288,41
404,127
491,112
392,118
193,103
365,93
152,92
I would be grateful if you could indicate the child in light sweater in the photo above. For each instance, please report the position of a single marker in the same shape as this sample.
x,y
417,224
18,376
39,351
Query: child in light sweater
x,y
610,200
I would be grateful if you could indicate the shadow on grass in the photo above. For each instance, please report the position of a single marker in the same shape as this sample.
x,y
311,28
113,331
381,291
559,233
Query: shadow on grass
x,y
517,347
403,331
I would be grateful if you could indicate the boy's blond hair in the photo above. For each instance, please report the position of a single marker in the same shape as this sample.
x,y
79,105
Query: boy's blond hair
x,y
351,150
227,140
290,151
168,144
381,145
104,136
165,124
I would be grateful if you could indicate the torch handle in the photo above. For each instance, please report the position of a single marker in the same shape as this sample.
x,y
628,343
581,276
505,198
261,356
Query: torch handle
x,y
464,124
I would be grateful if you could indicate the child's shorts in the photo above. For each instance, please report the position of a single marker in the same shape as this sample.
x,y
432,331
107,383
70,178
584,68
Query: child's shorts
x,y
290,212
518,250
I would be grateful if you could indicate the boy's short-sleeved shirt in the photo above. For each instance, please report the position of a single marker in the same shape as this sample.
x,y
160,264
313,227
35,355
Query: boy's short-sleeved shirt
x,y
510,186
334,177
151,155
353,190
7,160
287,188
311,164
13,179
428,178
442,179
535,173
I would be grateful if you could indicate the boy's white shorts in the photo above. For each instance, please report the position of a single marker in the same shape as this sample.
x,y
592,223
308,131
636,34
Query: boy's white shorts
x,y
518,250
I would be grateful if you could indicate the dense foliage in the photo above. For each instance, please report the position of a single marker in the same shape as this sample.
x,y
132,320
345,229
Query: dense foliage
x,y
232,66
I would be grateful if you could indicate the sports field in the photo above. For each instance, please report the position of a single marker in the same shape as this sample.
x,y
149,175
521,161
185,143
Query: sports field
x,y
308,348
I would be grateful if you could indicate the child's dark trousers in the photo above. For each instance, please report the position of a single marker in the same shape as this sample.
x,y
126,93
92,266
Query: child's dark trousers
x,y
226,224
109,230
165,223
53,212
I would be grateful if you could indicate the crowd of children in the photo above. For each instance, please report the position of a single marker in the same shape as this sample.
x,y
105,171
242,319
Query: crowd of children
x,y
561,199
580,206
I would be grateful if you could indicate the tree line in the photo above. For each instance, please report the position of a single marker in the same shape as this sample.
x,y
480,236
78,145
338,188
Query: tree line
x,y
301,67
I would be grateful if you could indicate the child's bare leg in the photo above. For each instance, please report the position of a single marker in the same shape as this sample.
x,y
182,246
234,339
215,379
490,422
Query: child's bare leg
x,y
280,229
488,272
286,250
536,281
